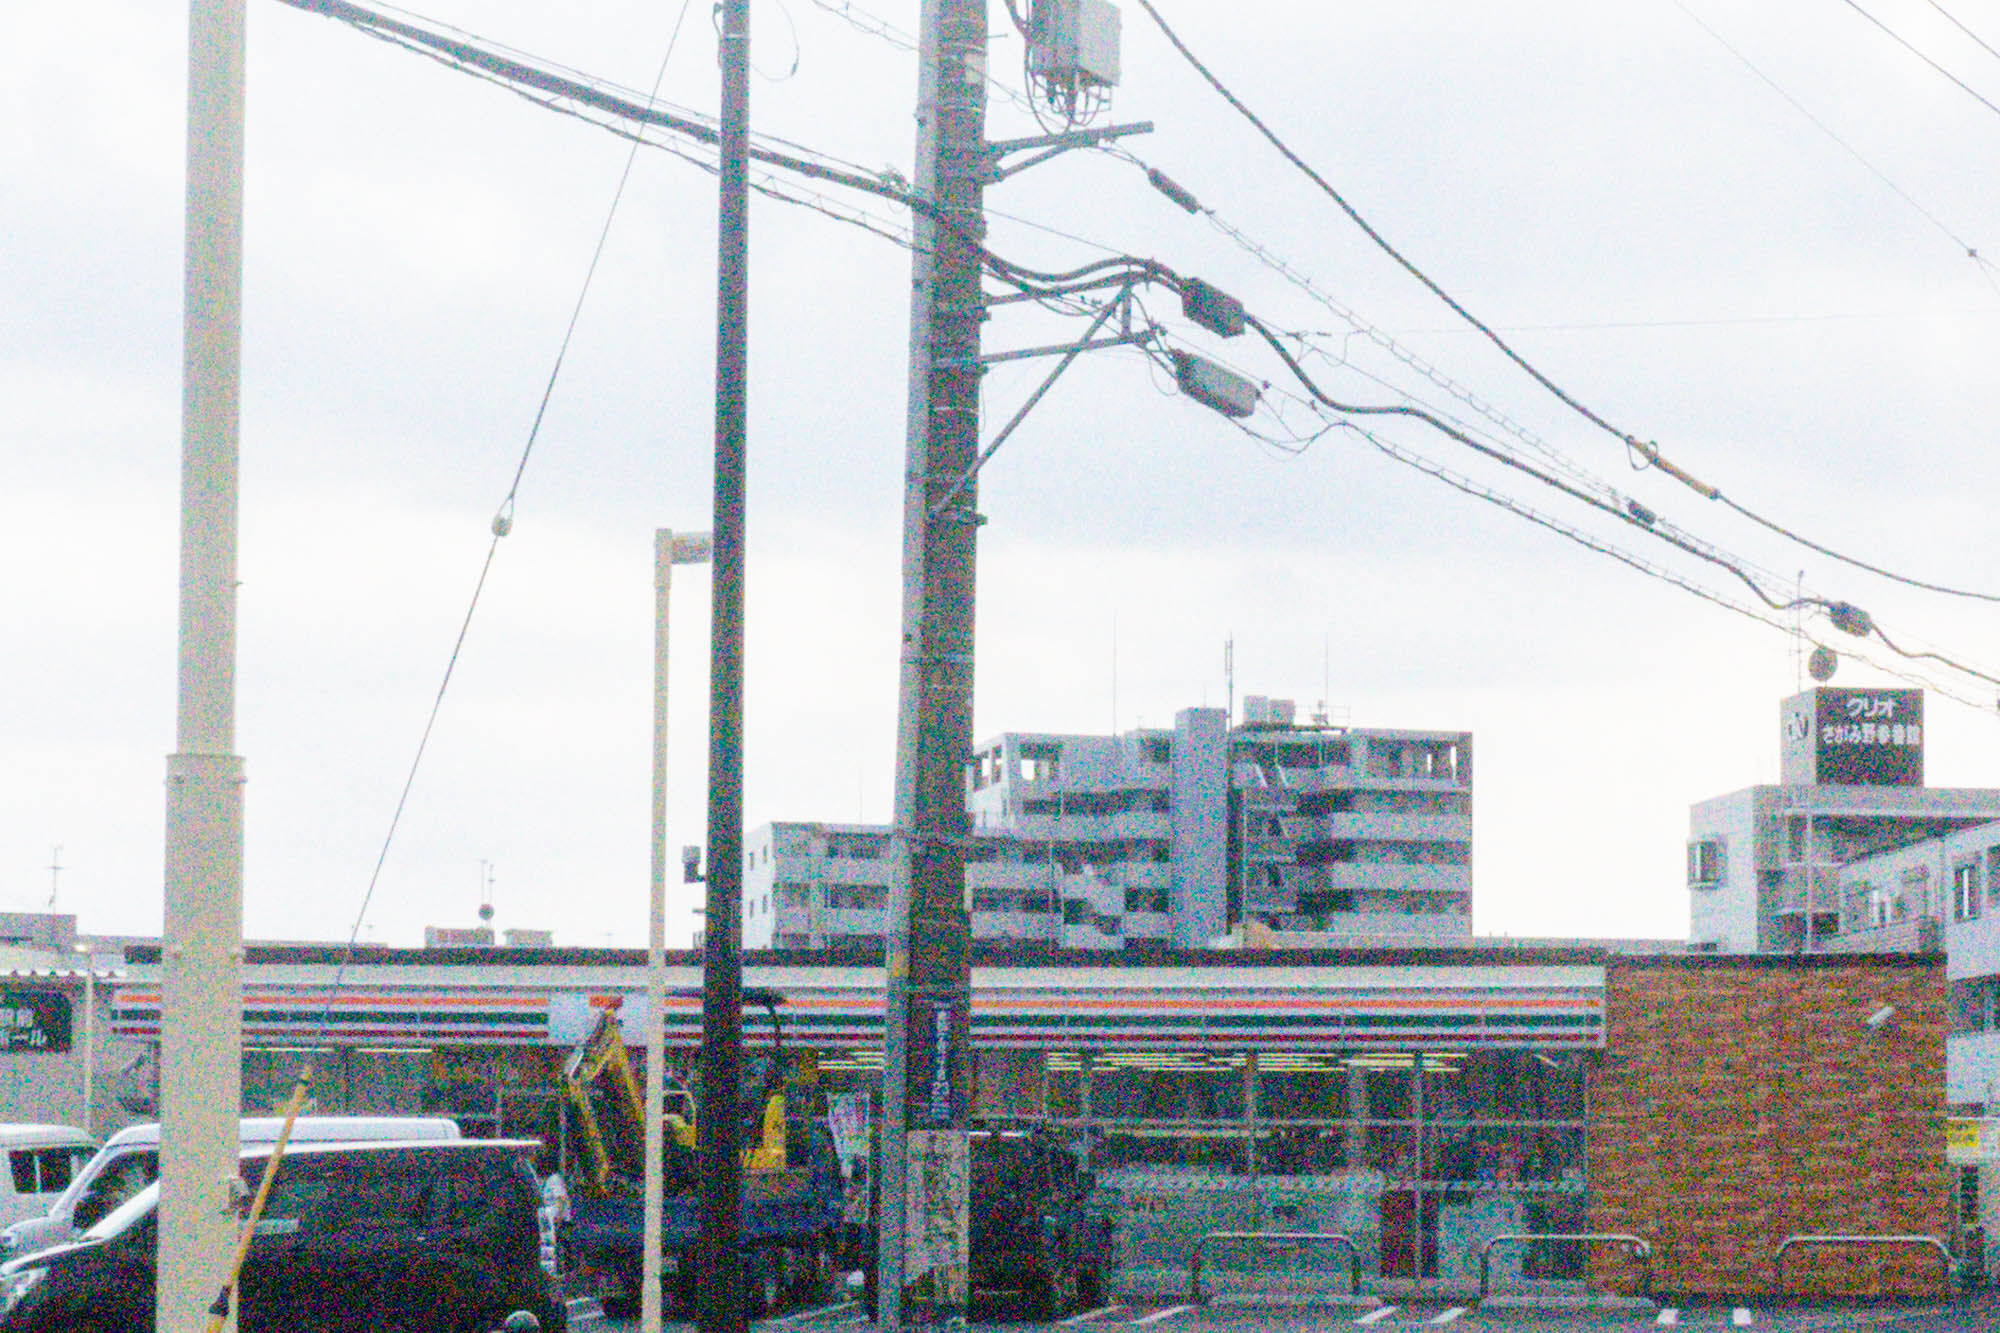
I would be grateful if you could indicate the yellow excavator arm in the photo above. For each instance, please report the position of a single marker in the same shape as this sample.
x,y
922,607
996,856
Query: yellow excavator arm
x,y
602,1058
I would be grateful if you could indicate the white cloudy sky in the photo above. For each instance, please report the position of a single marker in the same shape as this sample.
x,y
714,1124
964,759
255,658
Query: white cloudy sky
x,y
1651,223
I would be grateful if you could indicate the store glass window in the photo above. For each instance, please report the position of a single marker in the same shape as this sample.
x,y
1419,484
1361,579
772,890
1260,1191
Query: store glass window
x,y
1310,1086
1160,1153
1168,1085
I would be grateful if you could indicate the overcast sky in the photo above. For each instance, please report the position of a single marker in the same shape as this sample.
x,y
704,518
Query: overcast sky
x,y
1646,219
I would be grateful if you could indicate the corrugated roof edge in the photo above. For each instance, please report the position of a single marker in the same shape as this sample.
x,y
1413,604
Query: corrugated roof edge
x,y
1131,956
1778,961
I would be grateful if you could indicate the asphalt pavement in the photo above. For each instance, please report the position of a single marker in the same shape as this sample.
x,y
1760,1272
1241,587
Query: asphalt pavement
x,y
1979,1314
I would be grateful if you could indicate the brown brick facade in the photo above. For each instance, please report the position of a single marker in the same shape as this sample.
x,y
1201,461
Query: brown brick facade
x,y
1743,1099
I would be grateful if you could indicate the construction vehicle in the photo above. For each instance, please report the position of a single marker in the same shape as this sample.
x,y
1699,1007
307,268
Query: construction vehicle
x,y
791,1175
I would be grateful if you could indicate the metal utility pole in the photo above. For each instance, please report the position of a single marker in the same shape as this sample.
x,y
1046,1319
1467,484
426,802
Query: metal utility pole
x,y
668,551
720,1123
201,1017
927,1066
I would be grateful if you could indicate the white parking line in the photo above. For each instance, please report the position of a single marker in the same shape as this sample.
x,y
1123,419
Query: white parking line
x,y
1740,1317
1376,1316
1451,1316
1670,1316
1089,1315
1158,1315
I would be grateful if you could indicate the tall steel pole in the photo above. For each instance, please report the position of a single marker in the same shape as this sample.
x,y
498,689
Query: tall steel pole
x,y
923,1259
201,1016
720,1121
668,551
89,1040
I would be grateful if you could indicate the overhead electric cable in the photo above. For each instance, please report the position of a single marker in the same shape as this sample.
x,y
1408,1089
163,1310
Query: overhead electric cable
x,y
1907,45
503,523
1381,242
1845,615
518,74
873,25
1953,20
1102,273
1647,450
1510,504
1569,488
1966,247
1305,284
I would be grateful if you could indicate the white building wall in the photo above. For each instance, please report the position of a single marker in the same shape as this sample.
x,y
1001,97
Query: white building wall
x,y
1723,915
1923,881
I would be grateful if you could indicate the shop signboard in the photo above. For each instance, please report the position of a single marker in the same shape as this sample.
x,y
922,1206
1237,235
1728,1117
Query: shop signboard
x,y
1969,1140
1855,737
35,1021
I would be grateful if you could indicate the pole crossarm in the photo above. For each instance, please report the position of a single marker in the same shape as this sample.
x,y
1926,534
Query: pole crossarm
x,y
1025,353
1052,145
1070,354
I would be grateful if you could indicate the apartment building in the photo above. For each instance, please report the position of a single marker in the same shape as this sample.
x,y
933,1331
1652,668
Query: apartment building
x,y
1272,831
1765,864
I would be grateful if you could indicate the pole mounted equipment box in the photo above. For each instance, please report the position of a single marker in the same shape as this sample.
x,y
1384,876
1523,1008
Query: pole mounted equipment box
x,y
1075,39
1205,382
1211,307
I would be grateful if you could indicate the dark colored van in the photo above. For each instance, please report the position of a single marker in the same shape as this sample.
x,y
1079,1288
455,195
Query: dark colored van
x,y
436,1237
1037,1228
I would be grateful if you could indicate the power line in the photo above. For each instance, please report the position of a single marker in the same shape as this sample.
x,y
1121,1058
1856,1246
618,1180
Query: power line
x,y
1381,242
1114,271
1845,615
1519,509
1905,43
475,56
1962,28
1304,283
1648,451
503,523
1966,247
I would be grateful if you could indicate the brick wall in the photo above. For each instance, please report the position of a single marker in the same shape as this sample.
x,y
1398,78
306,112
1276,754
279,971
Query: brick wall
x,y
1743,1099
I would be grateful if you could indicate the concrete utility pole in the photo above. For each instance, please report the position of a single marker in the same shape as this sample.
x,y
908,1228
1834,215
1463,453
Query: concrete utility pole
x,y
668,550
720,1122
201,1015
927,1065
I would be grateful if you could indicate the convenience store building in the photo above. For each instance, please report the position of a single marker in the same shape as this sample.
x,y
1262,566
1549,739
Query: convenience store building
x,y
1420,1101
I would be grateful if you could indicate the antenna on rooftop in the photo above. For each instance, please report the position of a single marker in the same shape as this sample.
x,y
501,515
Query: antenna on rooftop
x,y
1229,677
55,874
485,891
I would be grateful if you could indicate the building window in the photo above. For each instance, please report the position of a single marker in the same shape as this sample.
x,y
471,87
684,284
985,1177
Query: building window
x,y
1705,861
1965,891
1993,874
1972,1005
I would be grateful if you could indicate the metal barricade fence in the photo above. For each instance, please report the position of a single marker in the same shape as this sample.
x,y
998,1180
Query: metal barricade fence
x,y
1945,1256
1638,1245
1294,1240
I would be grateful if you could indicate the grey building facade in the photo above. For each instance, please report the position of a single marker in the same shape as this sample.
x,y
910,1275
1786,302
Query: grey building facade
x,y
1189,836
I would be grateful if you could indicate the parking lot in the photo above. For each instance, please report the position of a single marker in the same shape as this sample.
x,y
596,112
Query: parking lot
x,y
1967,1315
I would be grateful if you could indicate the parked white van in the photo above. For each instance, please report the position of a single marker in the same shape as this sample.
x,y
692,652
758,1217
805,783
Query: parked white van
x,y
130,1161
42,1162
